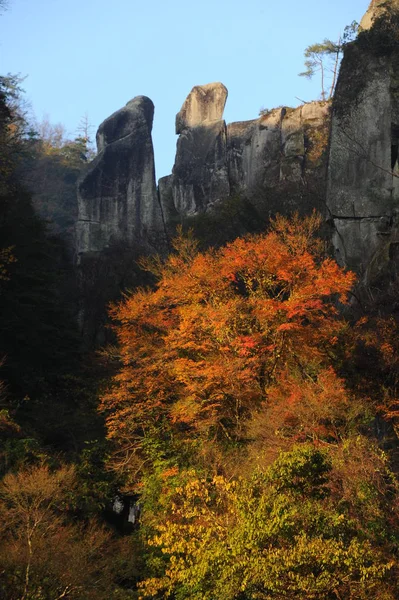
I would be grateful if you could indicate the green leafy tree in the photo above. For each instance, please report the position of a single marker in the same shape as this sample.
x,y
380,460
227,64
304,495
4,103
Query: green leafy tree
x,y
288,531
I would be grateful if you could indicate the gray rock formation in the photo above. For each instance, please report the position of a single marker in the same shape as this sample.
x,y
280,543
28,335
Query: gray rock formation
x,y
274,148
117,198
363,182
165,193
200,173
214,162
253,152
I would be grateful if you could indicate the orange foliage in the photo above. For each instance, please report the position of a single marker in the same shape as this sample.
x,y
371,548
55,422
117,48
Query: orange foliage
x,y
222,329
302,409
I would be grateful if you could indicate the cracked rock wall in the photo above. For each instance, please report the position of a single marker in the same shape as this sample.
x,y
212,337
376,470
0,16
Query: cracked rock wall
x,y
363,174
215,161
119,205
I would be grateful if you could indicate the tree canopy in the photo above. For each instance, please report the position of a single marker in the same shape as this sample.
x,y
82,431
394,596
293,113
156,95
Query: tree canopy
x,y
253,457
325,57
208,347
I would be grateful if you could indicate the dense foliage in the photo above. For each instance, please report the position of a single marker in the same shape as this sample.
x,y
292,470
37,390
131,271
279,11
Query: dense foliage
x,y
285,531
255,460
204,351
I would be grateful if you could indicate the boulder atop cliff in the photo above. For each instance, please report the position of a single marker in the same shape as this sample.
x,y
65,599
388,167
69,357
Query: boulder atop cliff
x,y
203,105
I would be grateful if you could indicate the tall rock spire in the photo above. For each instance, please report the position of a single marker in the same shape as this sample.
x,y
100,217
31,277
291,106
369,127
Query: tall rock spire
x,y
200,174
117,196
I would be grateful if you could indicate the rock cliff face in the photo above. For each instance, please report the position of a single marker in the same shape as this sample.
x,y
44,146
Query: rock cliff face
x,y
117,197
363,175
215,160
277,162
260,159
274,149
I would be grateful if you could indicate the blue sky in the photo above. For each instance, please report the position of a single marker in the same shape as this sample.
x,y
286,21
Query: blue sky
x,y
94,55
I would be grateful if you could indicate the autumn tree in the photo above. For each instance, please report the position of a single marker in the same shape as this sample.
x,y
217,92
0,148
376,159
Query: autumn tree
x,y
44,552
204,350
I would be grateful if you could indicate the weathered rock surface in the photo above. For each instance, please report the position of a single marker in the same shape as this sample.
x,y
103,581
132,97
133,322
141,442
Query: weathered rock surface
x,y
117,198
214,162
203,105
253,152
274,148
200,175
165,193
363,183
376,9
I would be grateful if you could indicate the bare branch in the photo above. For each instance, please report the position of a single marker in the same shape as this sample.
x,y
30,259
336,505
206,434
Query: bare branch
x,y
68,590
